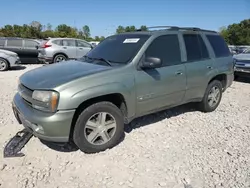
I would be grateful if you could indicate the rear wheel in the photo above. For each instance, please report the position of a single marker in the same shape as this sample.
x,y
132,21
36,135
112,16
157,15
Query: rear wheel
x,y
58,58
212,97
99,127
4,65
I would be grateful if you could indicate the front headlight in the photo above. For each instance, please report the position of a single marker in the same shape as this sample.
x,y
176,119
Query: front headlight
x,y
45,100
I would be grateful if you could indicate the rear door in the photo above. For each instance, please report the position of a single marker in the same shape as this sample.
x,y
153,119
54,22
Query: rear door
x,y
30,51
82,48
69,48
16,45
199,65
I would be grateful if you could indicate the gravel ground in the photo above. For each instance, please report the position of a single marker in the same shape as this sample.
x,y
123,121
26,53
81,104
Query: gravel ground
x,y
178,148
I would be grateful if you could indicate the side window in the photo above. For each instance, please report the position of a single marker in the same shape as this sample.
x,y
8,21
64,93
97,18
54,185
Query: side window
x,y
30,44
167,48
219,45
2,42
81,43
195,47
57,42
14,43
69,43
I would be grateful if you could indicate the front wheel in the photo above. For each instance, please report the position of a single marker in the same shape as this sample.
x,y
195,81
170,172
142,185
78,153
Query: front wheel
x,y
4,65
99,127
212,97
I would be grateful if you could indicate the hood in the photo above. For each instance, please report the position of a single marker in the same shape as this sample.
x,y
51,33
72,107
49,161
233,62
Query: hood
x,y
8,52
51,76
242,57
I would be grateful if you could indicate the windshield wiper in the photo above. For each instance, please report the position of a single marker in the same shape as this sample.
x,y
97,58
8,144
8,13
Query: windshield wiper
x,y
102,59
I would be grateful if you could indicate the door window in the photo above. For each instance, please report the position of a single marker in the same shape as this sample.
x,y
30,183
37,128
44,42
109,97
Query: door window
x,y
219,45
69,43
30,44
81,43
2,42
195,47
14,43
167,48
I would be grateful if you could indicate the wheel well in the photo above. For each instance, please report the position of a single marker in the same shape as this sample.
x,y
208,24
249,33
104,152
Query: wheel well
x,y
115,98
222,78
60,53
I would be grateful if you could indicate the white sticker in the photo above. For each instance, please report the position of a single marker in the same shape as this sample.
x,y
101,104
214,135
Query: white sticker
x,y
131,40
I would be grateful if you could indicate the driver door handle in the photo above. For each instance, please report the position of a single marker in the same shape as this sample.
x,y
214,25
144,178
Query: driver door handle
x,y
209,67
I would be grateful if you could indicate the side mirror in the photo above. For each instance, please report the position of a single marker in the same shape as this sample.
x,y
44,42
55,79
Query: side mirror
x,y
151,63
37,47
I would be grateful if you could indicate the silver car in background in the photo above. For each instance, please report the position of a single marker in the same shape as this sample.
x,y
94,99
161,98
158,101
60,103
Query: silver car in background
x,y
8,59
54,50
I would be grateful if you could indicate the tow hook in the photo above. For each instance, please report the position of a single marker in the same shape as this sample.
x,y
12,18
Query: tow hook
x,y
16,143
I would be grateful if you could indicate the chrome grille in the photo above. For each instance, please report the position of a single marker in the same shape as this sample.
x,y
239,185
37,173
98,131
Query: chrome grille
x,y
25,93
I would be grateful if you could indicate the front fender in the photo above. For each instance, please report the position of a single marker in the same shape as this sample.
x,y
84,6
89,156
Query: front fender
x,y
128,92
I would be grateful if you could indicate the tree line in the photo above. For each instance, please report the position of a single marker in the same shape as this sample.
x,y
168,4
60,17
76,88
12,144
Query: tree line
x,y
234,34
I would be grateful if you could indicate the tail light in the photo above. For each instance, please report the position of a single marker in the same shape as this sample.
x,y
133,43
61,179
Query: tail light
x,y
45,45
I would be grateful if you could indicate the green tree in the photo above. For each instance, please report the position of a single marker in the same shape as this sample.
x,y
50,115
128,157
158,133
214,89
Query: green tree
x,y
86,31
120,29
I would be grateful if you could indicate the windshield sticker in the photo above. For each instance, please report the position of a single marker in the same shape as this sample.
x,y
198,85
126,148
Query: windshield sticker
x,y
131,40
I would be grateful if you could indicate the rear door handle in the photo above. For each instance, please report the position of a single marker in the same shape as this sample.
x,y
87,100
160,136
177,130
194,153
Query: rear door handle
x,y
65,47
178,73
80,48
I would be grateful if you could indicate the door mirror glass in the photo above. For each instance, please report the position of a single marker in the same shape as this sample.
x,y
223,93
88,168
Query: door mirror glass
x,y
151,63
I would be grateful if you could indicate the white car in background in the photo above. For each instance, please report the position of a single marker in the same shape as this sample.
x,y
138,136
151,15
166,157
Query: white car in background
x,y
8,59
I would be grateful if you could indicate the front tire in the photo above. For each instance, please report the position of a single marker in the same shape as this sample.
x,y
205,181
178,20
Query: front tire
x,y
212,97
4,65
99,127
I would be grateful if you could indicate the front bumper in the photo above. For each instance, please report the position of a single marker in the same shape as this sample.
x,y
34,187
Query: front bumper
x,y
54,127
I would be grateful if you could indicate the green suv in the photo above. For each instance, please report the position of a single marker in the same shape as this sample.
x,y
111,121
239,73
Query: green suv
x,y
89,100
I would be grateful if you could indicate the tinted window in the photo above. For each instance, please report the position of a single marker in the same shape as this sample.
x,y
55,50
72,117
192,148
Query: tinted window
x,y
219,45
166,48
81,43
30,43
69,43
2,42
195,47
14,43
119,48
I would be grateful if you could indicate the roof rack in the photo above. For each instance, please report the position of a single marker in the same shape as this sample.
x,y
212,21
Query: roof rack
x,y
176,28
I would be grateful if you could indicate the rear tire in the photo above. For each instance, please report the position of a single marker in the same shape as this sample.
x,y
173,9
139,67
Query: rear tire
x,y
212,97
4,65
58,58
99,127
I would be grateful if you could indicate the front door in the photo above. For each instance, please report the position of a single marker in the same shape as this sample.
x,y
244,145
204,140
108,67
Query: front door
x,y
82,48
30,52
165,86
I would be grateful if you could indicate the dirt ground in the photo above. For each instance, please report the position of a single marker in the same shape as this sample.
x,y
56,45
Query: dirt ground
x,y
177,148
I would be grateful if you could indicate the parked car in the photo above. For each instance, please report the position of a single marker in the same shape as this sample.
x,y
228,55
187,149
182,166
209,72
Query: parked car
x,y
8,59
126,76
242,64
55,50
25,48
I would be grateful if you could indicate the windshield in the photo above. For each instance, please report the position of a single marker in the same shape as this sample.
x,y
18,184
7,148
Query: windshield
x,y
119,48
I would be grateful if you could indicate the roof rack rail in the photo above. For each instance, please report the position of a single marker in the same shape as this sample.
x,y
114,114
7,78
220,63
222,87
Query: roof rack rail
x,y
176,28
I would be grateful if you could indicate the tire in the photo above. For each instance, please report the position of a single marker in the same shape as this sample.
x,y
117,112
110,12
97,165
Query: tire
x,y
58,58
4,65
204,105
100,142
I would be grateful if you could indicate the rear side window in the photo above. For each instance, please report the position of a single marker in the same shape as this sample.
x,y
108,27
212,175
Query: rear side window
x,y
219,45
57,42
195,47
2,42
14,43
30,44
166,48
